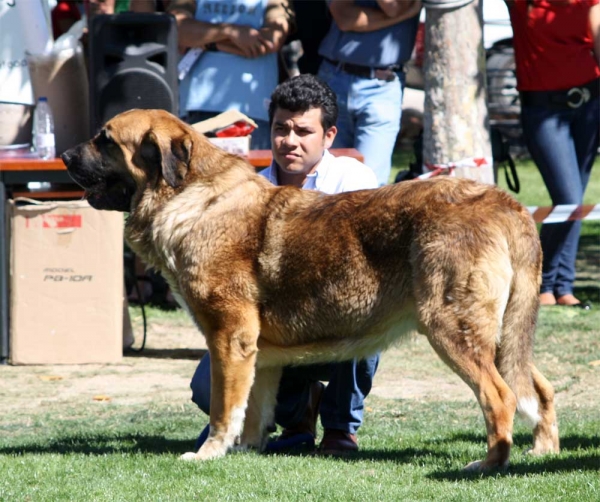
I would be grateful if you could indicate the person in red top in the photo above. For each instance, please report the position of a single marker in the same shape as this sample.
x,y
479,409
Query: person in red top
x,y
557,54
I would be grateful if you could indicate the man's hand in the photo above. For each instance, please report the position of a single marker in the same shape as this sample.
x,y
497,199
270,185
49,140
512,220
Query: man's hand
x,y
351,17
241,40
255,43
248,41
392,8
271,36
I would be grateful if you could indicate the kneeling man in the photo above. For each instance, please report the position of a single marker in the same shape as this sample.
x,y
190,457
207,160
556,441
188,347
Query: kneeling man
x,y
303,113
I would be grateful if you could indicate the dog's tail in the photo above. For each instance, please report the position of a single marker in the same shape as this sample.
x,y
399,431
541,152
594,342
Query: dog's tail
x,y
514,357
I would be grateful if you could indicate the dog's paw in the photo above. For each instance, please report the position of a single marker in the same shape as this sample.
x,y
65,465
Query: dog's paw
x,y
484,466
253,446
545,443
473,466
258,445
539,448
188,456
209,451
244,448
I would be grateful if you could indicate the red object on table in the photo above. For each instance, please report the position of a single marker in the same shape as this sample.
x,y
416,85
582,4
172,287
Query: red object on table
x,y
239,128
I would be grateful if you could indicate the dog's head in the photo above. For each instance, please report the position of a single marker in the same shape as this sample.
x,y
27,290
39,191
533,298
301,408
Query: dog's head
x,y
137,149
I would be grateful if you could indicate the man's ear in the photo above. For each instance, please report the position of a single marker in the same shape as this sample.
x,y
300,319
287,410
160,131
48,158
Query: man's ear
x,y
173,154
330,135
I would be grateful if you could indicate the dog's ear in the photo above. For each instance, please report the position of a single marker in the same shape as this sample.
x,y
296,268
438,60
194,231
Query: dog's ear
x,y
173,155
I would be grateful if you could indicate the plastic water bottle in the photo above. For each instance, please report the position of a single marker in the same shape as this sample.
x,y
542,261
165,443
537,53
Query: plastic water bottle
x,y
43,130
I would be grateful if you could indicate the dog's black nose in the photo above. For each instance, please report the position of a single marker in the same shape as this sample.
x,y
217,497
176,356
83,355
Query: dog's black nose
x,y
67,156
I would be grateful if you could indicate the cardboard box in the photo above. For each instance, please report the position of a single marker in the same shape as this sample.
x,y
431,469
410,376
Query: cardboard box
x,y
66,284
222,121
222,130
239,145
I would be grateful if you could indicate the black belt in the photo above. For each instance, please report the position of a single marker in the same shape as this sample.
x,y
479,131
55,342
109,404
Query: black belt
x,y
387,73
568,98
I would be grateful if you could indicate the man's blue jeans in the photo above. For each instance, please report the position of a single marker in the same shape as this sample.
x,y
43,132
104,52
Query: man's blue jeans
x,y
369,116
563,144
342,405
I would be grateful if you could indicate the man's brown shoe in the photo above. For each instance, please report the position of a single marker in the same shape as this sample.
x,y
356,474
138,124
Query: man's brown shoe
x,y
337,443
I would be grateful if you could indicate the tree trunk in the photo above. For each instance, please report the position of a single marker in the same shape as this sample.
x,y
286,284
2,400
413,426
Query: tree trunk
x,y
456,126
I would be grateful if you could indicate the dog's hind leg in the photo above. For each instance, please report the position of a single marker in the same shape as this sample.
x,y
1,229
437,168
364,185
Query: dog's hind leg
x,y
233,351
498,404
461,303
474,363
545,433
535,395
261,407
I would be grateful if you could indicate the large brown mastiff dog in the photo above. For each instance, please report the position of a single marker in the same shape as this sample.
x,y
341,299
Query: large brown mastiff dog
x,y
277,275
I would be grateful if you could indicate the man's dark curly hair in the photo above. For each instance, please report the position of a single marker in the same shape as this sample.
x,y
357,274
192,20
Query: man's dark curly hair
x,y
301,93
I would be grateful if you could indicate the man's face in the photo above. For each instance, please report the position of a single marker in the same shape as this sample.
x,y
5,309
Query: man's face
x,y
298,140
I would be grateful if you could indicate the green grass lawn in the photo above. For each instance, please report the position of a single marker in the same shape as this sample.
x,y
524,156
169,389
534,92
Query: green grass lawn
x,y
75,448
409,451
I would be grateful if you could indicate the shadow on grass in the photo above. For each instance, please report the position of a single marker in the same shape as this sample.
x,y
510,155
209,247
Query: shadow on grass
x,y
588,268
193,354
569,442
102,445
158,445
579,447
580,461
576,453
588,461
590,294
588,245
401,456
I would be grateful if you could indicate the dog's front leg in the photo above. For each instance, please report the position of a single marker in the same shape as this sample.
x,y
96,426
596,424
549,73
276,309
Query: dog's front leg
x,y
233,357
261,408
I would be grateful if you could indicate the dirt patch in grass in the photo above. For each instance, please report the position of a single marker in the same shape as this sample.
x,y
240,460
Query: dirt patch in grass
x,y
162,372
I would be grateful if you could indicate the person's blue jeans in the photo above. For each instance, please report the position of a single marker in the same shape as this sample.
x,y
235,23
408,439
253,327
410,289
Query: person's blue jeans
x,y
261,136
369,115
563,144
342,405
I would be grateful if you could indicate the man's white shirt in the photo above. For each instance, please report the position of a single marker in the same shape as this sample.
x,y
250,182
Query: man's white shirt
x,y
333,175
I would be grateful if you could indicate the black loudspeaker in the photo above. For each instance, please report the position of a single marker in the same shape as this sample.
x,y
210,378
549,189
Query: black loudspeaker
x,y
132,64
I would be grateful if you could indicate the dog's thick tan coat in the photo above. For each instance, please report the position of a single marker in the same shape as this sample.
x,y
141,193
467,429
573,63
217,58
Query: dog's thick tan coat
x,y
277,275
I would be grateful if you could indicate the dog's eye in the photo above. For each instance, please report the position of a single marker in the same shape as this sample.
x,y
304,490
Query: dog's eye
x,y
105,140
